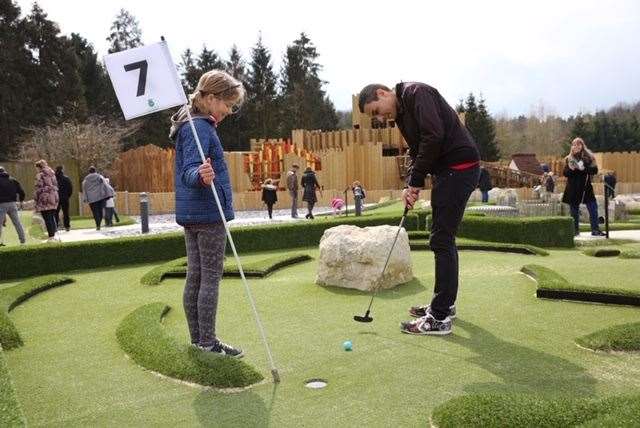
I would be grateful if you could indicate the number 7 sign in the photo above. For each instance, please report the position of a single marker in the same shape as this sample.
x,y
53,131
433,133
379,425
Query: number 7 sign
x,y
145,80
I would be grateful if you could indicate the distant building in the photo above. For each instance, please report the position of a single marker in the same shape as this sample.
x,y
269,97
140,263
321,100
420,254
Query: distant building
x,y
526,162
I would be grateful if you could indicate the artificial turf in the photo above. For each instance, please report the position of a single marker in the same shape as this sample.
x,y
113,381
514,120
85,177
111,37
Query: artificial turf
x,y
72,371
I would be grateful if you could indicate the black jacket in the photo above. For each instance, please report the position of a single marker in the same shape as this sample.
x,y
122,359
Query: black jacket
x,y
309,183
579,189
485,180
65,188
10,189
269,196
436,137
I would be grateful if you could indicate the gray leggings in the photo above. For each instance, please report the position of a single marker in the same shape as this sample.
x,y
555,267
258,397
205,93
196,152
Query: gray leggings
x,y
205,257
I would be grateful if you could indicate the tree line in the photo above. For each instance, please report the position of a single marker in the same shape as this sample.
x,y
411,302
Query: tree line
x,y
50,79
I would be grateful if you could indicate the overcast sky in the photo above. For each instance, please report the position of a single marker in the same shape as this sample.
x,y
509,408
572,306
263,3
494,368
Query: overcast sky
x,y
570,55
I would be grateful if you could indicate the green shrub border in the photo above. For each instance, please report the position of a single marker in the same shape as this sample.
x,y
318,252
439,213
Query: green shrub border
x,y
11,414
13,296
551,285
471,245
256,269
528,410
142,338
33,260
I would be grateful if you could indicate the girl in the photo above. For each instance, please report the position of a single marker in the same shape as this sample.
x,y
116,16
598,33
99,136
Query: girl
x,y
580,165
217,96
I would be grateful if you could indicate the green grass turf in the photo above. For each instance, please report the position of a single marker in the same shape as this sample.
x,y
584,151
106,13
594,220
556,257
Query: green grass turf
x,y
625,337
9,235
10,411
71,372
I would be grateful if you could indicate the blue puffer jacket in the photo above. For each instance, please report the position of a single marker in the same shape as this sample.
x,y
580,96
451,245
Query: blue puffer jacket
x,y
194,201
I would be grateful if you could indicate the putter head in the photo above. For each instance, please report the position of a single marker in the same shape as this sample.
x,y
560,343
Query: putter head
x,y
365,318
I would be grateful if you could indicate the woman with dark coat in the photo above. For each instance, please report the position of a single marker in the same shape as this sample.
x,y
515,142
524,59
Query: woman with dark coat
x,y
46,196
309,183
65,190
580,165
484,184
269,195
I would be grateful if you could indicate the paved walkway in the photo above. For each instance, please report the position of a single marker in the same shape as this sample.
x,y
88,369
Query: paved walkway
x,y
633,235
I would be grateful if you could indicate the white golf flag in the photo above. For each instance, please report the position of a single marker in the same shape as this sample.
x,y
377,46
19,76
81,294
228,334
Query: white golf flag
x,y
145,80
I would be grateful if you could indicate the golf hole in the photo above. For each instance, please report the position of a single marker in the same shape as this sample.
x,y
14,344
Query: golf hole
x,y
315,383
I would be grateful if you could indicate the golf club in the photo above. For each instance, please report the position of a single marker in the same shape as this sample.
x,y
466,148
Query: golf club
x,y
367,317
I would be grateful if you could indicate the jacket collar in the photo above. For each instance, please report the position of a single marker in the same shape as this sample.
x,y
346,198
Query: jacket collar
x,y
399,102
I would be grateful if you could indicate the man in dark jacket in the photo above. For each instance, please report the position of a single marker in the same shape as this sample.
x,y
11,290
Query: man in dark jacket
x,y
484,184
65,189
10,191
610,184
439,145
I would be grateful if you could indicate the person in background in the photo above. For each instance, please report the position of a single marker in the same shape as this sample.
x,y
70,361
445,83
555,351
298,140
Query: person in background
x,y
580,165
65,190
269,195
610,184
484,184
10,192
96,192
292,187
46,197
548,184
109,205
358,196
336,205
309,184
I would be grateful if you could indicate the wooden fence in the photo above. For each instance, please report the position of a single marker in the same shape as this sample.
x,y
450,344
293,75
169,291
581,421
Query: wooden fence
x,y
391,138
25,173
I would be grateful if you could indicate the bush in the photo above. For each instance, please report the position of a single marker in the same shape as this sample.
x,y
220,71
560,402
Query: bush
x,y
10,411
142,338
13,296
524,410
26,261
538,231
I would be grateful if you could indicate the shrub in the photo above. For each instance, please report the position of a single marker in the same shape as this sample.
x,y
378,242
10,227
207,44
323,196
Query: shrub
x,y
142,338
26,261
538,231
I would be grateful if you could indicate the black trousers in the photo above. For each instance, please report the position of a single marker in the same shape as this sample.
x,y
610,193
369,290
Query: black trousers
x,y
64,206
97,209
270,209
49,217
449,196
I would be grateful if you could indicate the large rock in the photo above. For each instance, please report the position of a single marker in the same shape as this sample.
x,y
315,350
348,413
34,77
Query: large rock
x,y
353,257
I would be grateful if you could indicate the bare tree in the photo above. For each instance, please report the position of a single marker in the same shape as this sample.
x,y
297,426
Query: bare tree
x,y
96,142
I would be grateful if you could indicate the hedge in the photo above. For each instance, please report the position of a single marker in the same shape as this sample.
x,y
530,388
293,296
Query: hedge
x,y
13,296
528,410
257,269
538,231
32,260
625,337
11,414
143,339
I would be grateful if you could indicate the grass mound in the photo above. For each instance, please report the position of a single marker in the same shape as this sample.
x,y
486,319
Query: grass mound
x,y
257,269
602,252
520,410
473,245
142,337
13,296
625,337
630,254
10,411
554,286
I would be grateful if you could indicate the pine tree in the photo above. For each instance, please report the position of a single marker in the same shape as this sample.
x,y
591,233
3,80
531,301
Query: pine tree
x,y
125,32
209,60
16,95
262,101
233,130
487,134
303,101
190,71
56,81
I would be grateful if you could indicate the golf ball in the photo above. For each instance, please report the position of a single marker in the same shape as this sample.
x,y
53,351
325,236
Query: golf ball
x,y
347,345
